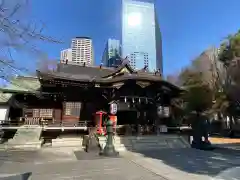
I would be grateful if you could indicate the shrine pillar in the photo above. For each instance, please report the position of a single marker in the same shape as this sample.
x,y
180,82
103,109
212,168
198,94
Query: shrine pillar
x,y
99,122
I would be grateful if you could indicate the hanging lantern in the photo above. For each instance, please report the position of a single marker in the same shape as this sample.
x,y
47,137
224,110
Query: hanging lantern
x,y
133,100
113,108
159,111
125,99
166,111
139,100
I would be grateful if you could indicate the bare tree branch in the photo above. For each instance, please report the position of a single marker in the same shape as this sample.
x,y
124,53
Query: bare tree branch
x,y
18,34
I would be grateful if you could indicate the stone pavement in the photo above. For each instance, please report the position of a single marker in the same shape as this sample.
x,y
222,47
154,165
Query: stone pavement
x,y
185,163
94,169
171,164
38,156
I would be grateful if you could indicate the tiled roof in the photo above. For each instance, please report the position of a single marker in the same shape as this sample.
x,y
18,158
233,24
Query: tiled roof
x,y
4,97
21,84
92,71
24,84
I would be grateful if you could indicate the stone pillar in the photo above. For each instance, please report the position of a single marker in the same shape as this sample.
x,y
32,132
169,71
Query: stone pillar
x,y
159,112
137,123
128,130
139,129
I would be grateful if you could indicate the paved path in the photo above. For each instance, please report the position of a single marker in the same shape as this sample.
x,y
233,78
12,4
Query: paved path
x,y
38,157
186,163
171,164
96,169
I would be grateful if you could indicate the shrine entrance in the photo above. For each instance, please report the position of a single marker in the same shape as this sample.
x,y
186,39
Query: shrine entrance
x,y
127,117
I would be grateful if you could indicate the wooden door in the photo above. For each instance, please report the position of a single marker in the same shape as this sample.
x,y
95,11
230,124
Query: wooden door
x,y
71,113
57,116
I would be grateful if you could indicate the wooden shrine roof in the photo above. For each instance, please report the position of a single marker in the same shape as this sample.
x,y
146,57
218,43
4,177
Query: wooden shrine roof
x,y
93,71
20,84
98,74
4,97
102,75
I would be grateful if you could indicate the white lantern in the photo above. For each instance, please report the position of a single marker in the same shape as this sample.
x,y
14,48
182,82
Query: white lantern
x,y
159,111
113,108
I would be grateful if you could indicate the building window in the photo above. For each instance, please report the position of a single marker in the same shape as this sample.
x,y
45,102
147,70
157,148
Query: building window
x,y
35,112
72,108
47,113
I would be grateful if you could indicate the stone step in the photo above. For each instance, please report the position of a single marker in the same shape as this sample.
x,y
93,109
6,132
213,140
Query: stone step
x,y
24,145
24,142
26,138
23,139
67,142
120,147
147,142
67,139
127,143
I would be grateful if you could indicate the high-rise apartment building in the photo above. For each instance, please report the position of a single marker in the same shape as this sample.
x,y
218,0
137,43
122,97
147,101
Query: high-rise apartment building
x,y
66,54
141,36
111,53
82,50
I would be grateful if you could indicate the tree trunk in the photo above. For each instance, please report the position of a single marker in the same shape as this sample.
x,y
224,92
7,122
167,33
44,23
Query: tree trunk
x,y
196,130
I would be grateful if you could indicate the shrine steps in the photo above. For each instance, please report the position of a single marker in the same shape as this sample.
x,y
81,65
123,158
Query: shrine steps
x,y
68,142
26,137
135,143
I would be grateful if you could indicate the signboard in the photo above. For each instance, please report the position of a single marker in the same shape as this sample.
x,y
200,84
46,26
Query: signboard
x,y
159,111
4,111
166,111
113,108
163,111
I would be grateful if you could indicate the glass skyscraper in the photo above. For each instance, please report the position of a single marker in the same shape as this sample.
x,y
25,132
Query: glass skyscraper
x,y
111,53
141,37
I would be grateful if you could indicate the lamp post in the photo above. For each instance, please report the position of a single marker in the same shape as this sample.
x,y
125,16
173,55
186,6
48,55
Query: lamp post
x,y
109,149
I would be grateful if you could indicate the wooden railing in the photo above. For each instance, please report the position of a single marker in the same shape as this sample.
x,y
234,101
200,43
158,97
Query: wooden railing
x,y
42,123
32,121
51,122
127,129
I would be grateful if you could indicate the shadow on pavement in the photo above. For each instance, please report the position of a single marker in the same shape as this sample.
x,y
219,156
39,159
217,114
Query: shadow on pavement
x,y
82,155
23,176
195,161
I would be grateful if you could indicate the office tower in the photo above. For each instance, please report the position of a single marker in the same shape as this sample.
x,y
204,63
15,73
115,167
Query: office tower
x,y
141,36
66,54
111,53
158,40
82,50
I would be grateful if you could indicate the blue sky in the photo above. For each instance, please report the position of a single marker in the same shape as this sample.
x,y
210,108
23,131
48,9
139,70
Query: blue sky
x,y
188,26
